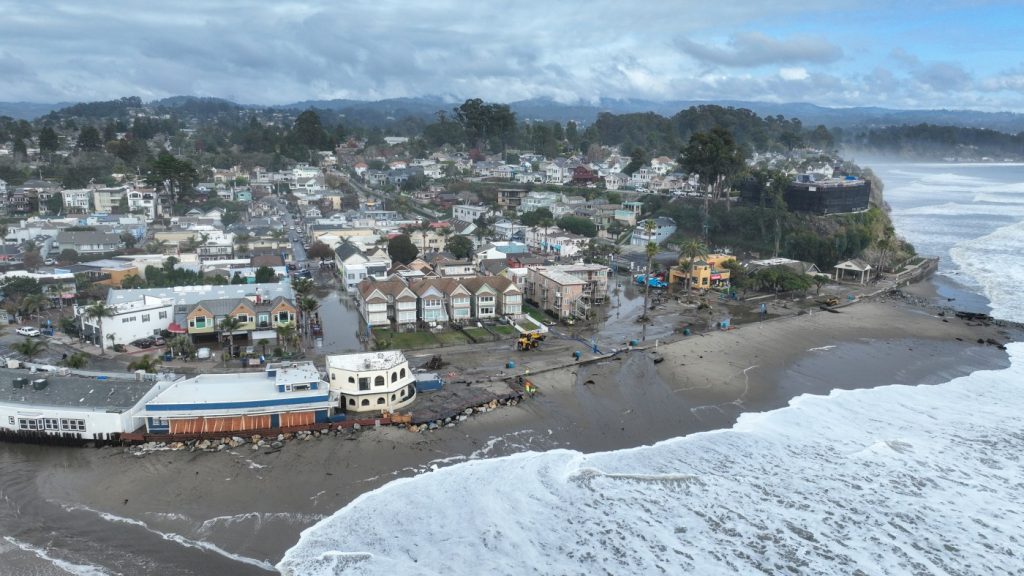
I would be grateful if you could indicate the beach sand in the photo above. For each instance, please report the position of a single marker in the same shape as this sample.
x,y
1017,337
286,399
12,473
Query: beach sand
x,y
255,504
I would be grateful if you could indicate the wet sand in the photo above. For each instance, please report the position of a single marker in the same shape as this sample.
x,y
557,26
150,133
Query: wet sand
x,y
254,504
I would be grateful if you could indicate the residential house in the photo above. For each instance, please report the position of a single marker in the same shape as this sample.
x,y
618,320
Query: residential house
x,y
705,274
371,381
355,266
147,316
567,290
89,241
77,201
258,318
107,200
664,228
469,213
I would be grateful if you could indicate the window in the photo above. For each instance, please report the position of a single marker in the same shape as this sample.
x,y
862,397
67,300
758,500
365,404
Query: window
x,y
10,420
51,423
351,401
145,317
283,316
365,402
381,400
394,377
392,397
125,320
402,393
334,376
351,380
72,424
28,423
198,322
243,318
402,372
364,383
378,381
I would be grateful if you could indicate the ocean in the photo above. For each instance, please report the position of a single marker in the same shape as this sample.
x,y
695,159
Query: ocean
x,y
890,480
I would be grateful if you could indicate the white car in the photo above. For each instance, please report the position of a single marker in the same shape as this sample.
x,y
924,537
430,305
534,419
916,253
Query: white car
x,y
28,331
204,353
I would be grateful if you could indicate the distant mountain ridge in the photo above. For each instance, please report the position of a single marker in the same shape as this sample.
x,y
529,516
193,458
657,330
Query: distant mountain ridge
x,y
545,109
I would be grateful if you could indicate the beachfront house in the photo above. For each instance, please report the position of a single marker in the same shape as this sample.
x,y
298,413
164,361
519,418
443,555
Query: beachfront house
x,y
372,381
285,394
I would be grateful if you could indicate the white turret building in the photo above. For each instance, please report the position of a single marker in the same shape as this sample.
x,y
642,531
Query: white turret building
x,y
372,381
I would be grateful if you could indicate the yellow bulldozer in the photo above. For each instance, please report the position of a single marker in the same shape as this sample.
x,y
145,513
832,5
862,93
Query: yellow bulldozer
x,y
529,341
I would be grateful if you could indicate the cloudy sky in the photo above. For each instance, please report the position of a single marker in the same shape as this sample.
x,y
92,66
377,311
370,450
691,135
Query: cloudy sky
x,y
892,53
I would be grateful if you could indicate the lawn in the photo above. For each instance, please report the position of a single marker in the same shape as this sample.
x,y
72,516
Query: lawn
x,y
478,334
404,340
504,330
452,338
527,324
535,313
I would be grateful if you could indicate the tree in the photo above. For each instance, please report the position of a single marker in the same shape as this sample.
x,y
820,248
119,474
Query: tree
x,y
423,227
156,246
320,250
303,286
227,327
535,217
32,304
29,347
578,225
307,305
68,256
286,335
48,141
20,150
242,242
689,252
309,132
181,345
55,203
712,156
31,258
97,312
149,363
486,123
460,246
613,197
173,175
133,281
128,238
78,360
651,250
638,158
401,249
265,275
89,139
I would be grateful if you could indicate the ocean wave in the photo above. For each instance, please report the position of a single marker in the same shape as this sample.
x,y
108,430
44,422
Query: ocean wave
x,y
891,480
64,565
993,261
173,537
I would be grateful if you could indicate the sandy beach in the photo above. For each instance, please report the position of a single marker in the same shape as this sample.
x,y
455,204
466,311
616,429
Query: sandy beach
x,y
254,504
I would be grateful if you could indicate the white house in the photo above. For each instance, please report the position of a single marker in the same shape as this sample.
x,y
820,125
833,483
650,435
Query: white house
x,y
77,200
140,318
663,229
468,213
354,265
372,381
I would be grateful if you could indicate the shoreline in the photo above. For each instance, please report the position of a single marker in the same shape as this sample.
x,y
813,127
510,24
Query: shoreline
x,y
260,502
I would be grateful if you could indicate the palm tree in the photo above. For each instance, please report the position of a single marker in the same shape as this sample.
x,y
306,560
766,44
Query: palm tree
x,y
98,312
29,347
422,227
242,241
181,344
262,343
77,360
228,326
156,246
286,335
652,250
308,305
691,251
113,340
32,303
149,363
303,286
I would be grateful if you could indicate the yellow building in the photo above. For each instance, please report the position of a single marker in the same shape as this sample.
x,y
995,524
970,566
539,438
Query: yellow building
x,y
706,274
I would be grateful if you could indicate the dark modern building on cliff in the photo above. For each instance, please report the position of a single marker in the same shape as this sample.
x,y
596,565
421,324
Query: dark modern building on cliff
x,y
807,193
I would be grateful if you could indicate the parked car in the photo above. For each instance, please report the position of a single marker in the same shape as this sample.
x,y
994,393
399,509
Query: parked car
x,y
204,353
50,262
143,343
28,331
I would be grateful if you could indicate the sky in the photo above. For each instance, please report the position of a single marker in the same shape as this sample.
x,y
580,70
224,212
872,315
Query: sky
x,y
895,54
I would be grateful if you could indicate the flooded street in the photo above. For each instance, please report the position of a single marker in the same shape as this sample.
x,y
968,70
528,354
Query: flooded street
x,y
341,322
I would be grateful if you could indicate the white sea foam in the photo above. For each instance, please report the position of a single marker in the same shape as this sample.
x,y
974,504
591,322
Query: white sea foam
x,y
892,480
69,567
996,262
173,537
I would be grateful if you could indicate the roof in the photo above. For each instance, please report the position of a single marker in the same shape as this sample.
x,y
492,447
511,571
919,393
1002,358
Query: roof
x,y
345,250
241,391
223,307
366,361
188,295
87,237
73,391
854,264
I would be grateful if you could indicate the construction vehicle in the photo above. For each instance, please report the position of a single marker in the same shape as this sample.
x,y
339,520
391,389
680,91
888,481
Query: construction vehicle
x,y
830,301
529,341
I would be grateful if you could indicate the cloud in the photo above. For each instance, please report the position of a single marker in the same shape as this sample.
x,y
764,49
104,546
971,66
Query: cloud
x,y
793,73
943,76
756,49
